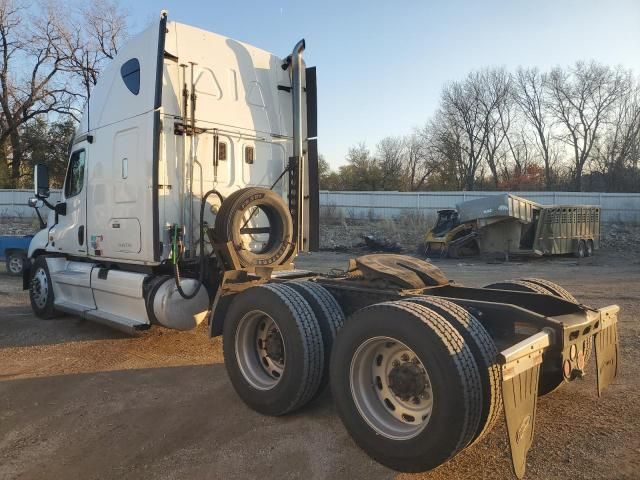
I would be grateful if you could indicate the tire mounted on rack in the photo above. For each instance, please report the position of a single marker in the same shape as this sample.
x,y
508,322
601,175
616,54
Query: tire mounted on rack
x,y
238,208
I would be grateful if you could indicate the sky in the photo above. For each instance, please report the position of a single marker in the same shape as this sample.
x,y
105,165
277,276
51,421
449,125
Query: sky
x,y
381,65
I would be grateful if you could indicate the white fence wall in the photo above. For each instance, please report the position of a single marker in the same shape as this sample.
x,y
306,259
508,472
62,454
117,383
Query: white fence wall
x,y
13,203
616,207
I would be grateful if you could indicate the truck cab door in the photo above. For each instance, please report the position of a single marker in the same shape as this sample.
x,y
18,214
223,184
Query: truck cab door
x,y
70,232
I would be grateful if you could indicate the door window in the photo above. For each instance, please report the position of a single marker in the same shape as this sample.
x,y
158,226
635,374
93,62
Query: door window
x,y
75,175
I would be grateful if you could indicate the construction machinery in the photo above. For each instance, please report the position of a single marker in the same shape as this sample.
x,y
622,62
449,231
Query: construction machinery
x,y
192,185
508,224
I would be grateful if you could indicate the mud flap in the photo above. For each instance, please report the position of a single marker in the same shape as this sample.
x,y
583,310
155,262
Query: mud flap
x,y
606,345
520,375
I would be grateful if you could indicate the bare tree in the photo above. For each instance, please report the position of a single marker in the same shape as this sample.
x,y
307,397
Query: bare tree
x,y
31,80
390,158
44,50
89,49
531,93
493,91
618,148
445,143
582,100
461,112
421,161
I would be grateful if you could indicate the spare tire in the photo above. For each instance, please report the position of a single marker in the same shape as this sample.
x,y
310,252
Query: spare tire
x,y
240,220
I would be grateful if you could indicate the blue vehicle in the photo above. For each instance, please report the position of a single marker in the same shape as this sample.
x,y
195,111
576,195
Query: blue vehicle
x,y
13,249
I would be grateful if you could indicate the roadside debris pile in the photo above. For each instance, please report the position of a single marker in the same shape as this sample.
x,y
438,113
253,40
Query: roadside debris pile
x,y
389,235
381,244
12,226
621,237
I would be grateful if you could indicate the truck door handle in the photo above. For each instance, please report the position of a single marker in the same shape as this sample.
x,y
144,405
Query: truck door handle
x,y
81,235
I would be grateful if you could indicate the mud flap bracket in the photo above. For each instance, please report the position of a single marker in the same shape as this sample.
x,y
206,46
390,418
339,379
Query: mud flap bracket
x,y
606,346
520,375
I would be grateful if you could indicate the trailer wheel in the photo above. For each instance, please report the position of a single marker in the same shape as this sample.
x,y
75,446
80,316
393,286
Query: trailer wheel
x,y
330,319
41,290
484,351
15,263
589,248
405,385
273,349
274,232
582,249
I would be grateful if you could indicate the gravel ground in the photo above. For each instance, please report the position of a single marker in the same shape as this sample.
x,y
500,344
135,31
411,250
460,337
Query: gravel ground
x,y
80,401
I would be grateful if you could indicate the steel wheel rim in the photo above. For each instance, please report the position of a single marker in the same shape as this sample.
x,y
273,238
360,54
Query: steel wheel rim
x,y
15,264
256,335
373,393
40,288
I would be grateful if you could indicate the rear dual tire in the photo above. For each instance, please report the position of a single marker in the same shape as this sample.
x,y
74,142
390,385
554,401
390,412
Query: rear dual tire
x,y
277,340
383,371
551,379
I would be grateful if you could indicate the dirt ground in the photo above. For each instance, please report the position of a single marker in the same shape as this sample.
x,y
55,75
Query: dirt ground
x,y
80,401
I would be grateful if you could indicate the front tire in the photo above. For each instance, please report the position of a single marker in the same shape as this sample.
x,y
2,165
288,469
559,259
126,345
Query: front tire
x,y
405,385
41,290
15,263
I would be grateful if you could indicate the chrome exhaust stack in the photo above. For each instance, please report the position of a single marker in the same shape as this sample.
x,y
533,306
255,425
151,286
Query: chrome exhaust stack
x,y
298,177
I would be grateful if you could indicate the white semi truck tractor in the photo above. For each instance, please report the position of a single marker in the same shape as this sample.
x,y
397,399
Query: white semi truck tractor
x,y
192,185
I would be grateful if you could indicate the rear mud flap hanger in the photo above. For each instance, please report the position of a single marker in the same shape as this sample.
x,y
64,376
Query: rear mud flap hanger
x,y
520,367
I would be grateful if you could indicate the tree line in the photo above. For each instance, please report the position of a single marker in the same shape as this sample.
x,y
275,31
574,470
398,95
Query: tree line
x,y
51,54
569,128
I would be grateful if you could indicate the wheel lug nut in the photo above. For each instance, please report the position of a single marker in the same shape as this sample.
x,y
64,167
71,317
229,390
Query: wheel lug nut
x,y
395,363
405,357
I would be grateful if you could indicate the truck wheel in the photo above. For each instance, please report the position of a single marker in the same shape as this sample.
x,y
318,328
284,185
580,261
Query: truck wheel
x,y
273,349
259,205
330,319
582,249
484,351
550,378
405,385
15,263
558,291
518,286
552,288
41,290
589,249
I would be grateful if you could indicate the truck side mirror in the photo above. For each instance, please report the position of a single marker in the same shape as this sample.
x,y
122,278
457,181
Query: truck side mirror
x,y
34,202
41,180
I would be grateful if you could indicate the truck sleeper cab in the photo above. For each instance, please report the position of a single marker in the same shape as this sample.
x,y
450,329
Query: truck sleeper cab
x,y
180,112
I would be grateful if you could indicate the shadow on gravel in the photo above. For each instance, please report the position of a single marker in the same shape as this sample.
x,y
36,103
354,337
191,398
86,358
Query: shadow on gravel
x,y
19,327
177,422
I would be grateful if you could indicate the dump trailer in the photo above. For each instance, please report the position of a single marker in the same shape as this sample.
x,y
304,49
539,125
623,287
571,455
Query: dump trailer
x,y
506,223
191,187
